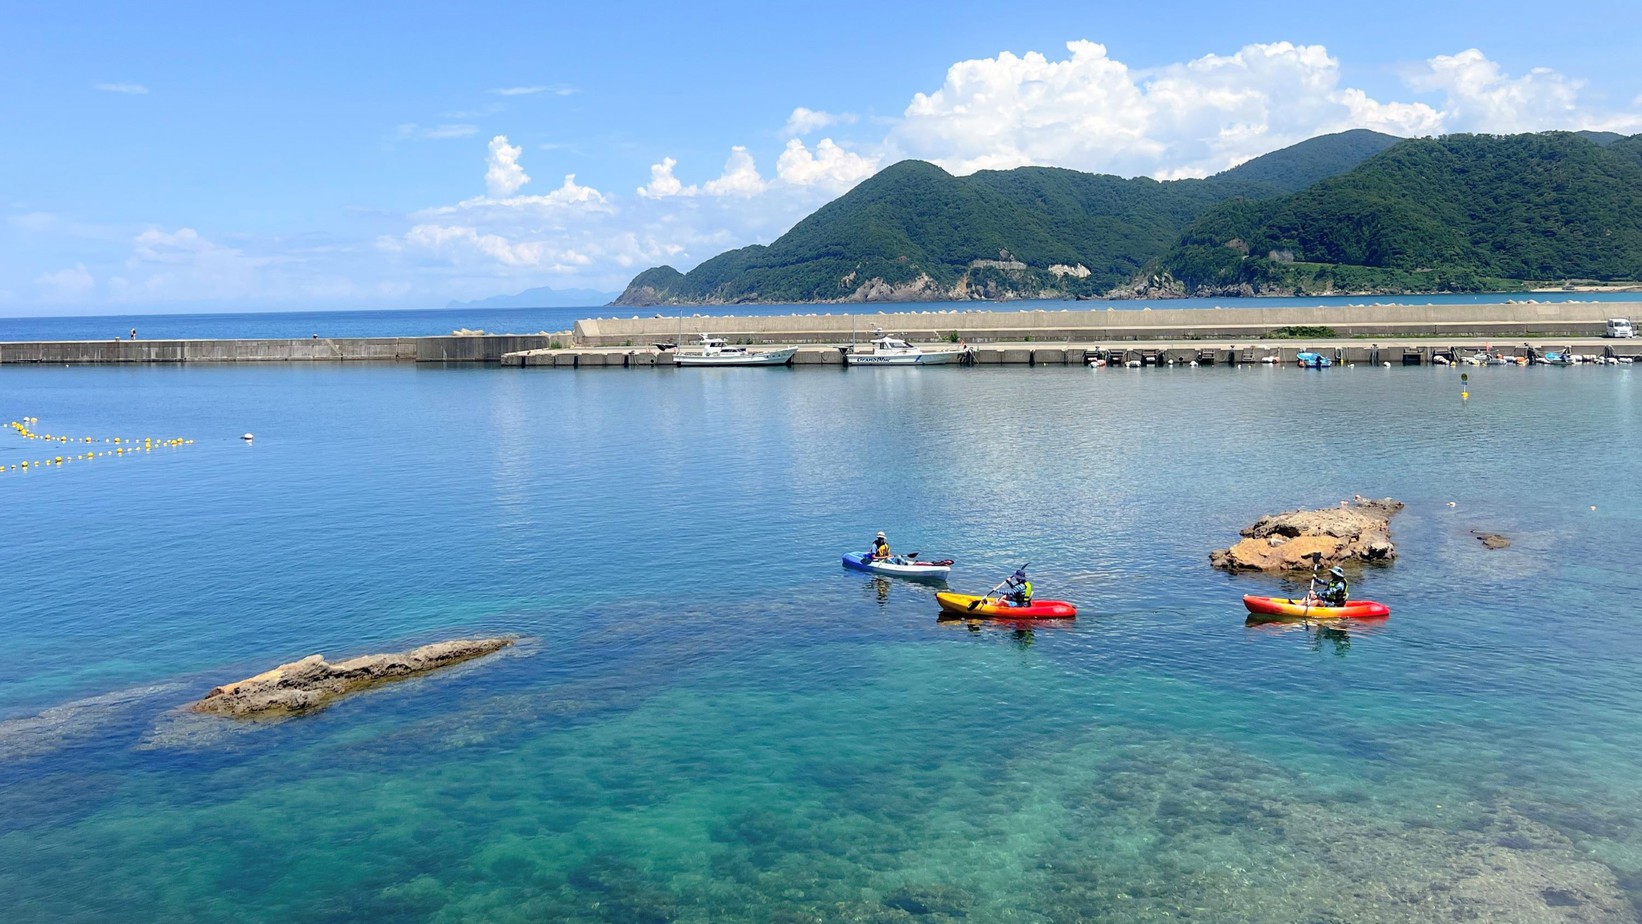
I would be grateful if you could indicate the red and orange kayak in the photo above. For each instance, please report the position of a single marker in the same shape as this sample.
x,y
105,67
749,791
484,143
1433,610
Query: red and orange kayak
x,y
1282,607
971,605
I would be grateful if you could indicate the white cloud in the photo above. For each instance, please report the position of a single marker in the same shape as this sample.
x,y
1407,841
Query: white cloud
x,y
559,90
803,121
409,130
129,89
505,176
451,131
1478,96
570,195
740,177
74,282
663,184
830,166
1091,112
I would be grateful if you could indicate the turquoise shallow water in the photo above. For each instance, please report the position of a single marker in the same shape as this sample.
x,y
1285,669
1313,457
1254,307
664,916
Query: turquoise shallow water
x,y
708,720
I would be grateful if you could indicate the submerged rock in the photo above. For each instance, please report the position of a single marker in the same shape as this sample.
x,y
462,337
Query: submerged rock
x,y
312,682
1359,532
1492,540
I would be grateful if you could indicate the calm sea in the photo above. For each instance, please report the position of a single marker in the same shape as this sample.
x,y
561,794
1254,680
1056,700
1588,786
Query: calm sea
x,y
707,719
434,322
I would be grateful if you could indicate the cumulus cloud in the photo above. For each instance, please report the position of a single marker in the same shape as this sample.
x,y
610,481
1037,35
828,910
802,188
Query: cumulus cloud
x,y
504,176
128,89
829,166
1479,96
803,121
663,184
1089,111
740,177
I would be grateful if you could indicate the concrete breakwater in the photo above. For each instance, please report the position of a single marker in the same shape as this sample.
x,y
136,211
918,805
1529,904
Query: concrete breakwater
x,y
487,348
1150,336
1549,319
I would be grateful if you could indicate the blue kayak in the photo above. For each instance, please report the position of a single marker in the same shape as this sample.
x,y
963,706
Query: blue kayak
x,y
900,566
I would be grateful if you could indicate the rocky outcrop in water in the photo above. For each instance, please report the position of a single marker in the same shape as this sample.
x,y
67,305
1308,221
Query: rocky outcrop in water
x,y
312,682
1356,531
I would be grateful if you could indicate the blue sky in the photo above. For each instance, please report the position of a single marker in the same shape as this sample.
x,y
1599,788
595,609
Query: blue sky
x,y
212,156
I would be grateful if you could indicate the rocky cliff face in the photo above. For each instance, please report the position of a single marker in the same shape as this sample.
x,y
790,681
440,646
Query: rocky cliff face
x,y
1354,532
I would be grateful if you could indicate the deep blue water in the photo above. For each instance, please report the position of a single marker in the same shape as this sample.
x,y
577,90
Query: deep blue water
x,y
437,321
708,720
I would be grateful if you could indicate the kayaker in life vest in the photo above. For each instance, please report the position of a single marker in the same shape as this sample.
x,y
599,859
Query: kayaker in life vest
x,y
1337,591
880,548
1022,594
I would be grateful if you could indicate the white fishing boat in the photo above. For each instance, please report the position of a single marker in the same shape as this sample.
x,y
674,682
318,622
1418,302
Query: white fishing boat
x,y
885,350
715,351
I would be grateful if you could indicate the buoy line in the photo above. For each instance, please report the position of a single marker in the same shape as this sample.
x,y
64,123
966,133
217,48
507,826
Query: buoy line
x,y
124,447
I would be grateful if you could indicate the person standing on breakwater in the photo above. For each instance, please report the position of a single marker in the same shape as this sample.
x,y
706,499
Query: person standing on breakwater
x,y
133,333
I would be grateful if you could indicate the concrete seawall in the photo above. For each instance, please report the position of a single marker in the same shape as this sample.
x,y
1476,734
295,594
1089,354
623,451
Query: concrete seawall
x,y
1020,336
479,349
1560,319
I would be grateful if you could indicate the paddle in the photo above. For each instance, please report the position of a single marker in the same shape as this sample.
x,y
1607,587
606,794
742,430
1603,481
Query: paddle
x,y
1020,570
1311,592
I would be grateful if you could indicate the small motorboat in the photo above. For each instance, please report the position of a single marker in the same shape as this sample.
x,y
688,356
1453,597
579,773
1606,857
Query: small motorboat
x,y
715,351
1310,360
995,608
885,350
1284,608
901,566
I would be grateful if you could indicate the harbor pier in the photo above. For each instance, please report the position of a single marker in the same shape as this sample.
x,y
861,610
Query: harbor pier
x,y
1370,334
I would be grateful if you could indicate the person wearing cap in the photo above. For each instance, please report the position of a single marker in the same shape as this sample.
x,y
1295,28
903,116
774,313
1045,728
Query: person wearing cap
x,y
880,548
1021,588
1337,591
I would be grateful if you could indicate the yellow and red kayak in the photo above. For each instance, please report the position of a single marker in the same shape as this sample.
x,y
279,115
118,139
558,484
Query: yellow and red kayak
x,y
971,605
1282,607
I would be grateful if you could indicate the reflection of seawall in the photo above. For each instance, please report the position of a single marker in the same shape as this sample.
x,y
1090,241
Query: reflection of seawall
x,y
486,348
1562,319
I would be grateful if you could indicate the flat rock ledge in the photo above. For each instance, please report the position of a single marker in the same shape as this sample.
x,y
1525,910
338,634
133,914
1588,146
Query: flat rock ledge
x,y
312,682
1356,531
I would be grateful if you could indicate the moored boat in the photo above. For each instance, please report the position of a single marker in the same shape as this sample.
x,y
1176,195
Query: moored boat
x,y
972,605
715,351
1284,608
1312,360
885,350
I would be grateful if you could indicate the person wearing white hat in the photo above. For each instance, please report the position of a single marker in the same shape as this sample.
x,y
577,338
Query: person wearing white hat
x,y
880,548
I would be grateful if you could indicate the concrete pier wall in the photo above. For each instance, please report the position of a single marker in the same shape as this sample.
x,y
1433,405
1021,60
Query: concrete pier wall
x,y
481,349
1566,319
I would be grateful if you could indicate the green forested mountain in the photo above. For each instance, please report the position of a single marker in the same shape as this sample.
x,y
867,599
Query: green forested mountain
x,y
915,231
1461,212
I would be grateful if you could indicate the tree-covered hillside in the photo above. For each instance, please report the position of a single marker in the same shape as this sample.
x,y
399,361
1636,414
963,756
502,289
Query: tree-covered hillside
x,y
915,231
1461,212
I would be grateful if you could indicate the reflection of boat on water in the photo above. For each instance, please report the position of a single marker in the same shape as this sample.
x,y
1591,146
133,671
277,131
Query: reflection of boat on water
x,y
715,351
885,350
